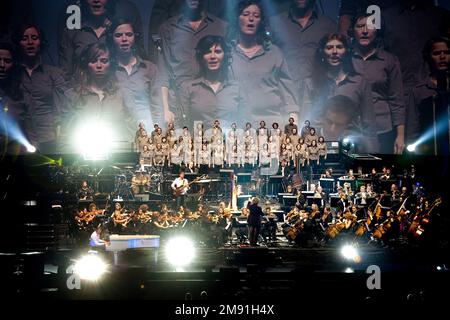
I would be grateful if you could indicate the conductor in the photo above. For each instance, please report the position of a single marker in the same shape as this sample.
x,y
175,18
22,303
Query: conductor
x,y
254,221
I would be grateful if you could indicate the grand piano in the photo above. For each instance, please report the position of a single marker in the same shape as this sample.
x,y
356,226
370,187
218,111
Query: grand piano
x,y
120,243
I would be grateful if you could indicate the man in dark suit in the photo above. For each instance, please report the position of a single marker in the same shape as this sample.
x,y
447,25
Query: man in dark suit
x,y
254,221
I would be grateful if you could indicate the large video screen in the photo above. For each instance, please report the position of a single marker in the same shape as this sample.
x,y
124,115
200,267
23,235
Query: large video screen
x,y
109,76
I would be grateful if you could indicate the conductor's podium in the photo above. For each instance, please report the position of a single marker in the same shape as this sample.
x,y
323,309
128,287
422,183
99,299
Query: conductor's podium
x,y
120,243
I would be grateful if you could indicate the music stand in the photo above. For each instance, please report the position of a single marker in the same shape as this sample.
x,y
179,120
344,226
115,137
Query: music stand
x,y
281,195
244,178
204,169
289,201
279,214
352,183
308,193
242,200
275,180
328,184
334,201
312,200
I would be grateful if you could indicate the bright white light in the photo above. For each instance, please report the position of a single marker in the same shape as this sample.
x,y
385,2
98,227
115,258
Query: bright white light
x,y
346,140
349,252
349,270
180,252
93,140
90,267
411,147
31,149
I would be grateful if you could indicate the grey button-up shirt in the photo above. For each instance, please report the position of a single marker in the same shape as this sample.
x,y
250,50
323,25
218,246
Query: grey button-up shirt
x,y
44,89
406,32
298,43
201,103
382,71
420,110
72,42
140,93
356,88
267,84
179,40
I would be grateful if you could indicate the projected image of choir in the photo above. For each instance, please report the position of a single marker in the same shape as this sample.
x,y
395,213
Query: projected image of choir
x,y
257,62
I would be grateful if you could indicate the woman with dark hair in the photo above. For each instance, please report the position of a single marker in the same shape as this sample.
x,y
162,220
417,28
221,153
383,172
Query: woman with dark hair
x,y
334,75
212,95
96,100
96,19
14,108
382,70
42,85
136,76
260,66
425,106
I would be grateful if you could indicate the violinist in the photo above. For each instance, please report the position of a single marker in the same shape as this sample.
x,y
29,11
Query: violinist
x,y
80,220
133,225
118,217
163,221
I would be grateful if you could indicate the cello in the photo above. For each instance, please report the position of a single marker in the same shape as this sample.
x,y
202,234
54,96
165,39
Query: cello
x,y
418,224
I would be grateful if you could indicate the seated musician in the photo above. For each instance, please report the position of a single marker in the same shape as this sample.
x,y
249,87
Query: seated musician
x,y
80,219
361,196
119,219
85,192
395,193
343,202
180,186
327,217
141,167
387,175
134,225
271,224
95,241
163,221
349,176
191,168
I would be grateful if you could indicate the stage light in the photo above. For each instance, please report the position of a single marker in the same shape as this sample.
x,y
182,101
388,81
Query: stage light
x,y
13,131
349,270
90,267
180,252
411,147
93,140
346,140
349,252
31,149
